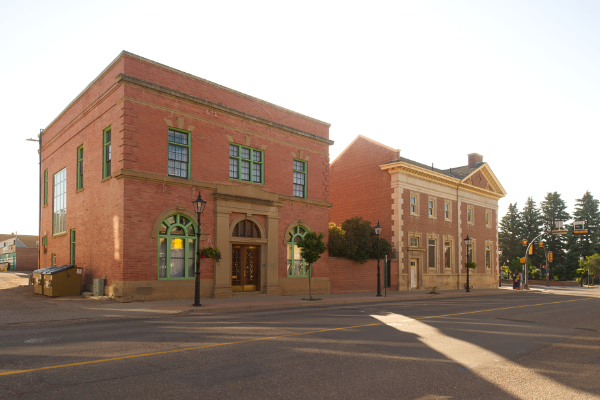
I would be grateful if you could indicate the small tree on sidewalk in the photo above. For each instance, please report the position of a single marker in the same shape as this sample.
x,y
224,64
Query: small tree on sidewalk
x,y
311,247
591,264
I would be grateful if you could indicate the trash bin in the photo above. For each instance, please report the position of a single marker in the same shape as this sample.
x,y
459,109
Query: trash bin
x,y
58,281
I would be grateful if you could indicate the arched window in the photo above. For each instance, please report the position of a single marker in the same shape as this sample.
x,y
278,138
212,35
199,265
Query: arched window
x,y
247,229
176,248
296,266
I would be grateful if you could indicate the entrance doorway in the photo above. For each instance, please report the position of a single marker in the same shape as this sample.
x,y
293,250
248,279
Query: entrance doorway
x,y
413,273
245,268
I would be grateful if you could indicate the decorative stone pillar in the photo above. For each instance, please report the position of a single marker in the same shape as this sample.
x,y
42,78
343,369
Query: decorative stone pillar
x,y
272,281
223,269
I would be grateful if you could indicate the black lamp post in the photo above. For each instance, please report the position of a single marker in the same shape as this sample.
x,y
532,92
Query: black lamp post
x,y
499,270
199,205
378,229
467,242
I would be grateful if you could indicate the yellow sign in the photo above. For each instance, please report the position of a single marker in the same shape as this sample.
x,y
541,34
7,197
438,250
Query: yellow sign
x,y
522,260
580,231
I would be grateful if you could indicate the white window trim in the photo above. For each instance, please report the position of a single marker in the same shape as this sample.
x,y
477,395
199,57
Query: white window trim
x,y
449,203
417,200
489,223
451,240
491,244
472,221
434,206
436,260
414,235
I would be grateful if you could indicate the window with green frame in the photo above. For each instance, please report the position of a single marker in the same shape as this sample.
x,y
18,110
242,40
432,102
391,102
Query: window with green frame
x,y
179,154
80,167
296,266
72,246
246,163
177,248
299,178
53,259
45,187
107,153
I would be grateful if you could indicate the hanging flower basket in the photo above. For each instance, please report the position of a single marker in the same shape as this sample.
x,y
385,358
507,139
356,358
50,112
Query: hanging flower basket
x,y
471,265
211,252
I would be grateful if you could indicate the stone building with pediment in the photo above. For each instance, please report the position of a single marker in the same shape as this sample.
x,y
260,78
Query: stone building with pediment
x,y
426,213
124,160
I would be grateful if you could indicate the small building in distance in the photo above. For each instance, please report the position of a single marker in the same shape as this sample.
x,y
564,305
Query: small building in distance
x,y
426,213
18,252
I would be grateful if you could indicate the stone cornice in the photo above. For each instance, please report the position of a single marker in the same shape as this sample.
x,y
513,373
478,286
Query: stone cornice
x,y
423,173
122,78
309,202
246,199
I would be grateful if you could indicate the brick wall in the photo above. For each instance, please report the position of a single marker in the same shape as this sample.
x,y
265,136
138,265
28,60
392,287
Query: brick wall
x,y
360,188
348,276
27,258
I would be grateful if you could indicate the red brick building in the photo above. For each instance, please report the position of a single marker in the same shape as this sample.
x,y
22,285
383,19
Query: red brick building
x,y
126,158
18,252
426,213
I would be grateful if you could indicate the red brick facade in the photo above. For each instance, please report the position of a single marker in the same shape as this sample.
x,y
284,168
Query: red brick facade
x,y
371,180
115,219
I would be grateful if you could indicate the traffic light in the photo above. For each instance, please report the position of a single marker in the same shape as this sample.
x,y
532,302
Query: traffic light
x,y
524,242
550,256
530,250
522,260
541,244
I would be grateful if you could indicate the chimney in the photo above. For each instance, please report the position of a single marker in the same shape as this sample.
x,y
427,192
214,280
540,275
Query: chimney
x,y
474,158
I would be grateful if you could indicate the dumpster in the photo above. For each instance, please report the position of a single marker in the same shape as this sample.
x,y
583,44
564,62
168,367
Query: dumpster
x,y
58,281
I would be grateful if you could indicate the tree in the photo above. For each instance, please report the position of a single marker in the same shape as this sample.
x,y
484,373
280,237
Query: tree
x,y
586,209
509,240
531,227
311,247
357,243
591,264
553,209
337,239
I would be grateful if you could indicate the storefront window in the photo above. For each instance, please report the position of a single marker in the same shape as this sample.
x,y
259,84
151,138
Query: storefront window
x,y
296,266
176,248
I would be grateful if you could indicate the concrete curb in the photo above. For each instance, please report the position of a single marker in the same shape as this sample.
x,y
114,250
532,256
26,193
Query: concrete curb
x,y
208,309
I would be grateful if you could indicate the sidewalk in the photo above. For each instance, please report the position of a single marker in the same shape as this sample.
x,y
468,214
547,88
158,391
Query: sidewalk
x,y
20,305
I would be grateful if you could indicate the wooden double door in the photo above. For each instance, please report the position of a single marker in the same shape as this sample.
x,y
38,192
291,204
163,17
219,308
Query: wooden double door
x,y
245,268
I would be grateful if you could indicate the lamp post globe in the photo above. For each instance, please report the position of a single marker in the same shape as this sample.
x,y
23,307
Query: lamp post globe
x,y
378,228
467,242
199,205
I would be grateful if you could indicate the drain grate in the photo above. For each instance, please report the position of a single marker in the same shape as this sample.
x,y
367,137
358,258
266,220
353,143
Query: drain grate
x,y
42,340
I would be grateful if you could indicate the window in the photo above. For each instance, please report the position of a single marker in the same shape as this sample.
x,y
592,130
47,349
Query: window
x,y
431,253
414,242
414,204
296,266
431,203
448,211
488,255
246,163
488,219
80,167
470,218
53,259
299,178
107,154
447,254
179,154
247,229
72,246
46,187
59,215
176,248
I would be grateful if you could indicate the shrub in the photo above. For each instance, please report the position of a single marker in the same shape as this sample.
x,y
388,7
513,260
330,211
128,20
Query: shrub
x,y
336,241
356,239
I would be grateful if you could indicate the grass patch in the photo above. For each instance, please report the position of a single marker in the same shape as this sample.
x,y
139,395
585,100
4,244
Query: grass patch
x,y
311,299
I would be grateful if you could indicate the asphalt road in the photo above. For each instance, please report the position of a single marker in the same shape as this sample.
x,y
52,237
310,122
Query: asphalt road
x,y
526,346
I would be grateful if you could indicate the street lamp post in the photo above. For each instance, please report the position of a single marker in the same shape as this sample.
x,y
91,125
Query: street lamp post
x,y
467,242
499,270
378,229
199,205
39,140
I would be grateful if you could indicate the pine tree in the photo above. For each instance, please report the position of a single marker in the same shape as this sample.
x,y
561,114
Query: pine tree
x,y
531,227
553,209
582,245
509,235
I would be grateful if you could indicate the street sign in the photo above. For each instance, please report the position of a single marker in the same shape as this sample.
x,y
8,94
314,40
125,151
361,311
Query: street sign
x,y
580,231
559,232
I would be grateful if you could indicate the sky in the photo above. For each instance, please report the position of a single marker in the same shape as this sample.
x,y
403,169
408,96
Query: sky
x,y
515,81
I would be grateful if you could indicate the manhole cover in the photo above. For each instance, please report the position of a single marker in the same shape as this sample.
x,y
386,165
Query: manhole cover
x,y
42,340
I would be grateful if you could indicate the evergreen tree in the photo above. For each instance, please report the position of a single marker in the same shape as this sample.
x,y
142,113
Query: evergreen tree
x,y
509,235
554,209
582,245
531,227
